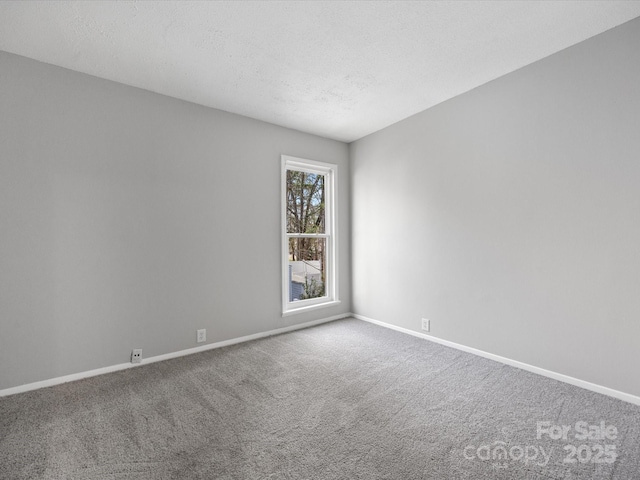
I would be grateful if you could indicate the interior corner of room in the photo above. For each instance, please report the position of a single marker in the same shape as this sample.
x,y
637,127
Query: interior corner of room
x,y
507,216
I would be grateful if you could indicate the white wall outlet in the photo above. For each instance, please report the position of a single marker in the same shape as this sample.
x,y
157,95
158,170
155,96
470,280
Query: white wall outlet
x,y
136,355
202,335
426,324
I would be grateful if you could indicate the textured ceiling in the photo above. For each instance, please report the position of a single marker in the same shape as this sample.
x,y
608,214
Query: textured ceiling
x,y
337,69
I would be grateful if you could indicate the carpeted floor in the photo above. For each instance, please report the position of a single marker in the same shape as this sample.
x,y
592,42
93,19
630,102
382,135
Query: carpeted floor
x,y
344,400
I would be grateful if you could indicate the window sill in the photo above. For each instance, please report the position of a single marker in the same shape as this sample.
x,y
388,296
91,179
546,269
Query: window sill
x,y
308,308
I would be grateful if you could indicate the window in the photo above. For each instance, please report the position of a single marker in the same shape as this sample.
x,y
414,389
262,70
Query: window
x,y
308,238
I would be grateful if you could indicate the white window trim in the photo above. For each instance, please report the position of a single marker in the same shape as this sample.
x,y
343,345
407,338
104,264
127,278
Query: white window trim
x,y
331,207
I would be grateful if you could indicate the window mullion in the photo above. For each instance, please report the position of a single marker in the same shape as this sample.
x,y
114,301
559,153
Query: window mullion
x,y
308,235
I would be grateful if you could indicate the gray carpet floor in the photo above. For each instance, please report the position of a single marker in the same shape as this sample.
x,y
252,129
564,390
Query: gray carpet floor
x,y
344,400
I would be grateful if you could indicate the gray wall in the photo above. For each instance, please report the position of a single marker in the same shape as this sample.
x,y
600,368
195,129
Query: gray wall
x,y
510,215
129,219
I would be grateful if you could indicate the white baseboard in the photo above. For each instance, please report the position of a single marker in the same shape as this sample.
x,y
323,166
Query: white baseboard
x,y
627,397
158,358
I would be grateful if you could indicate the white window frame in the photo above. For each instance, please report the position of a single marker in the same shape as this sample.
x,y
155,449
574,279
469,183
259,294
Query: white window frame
x,y
330,171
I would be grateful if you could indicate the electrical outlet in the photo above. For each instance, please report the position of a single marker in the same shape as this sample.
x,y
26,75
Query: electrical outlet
x,y
136,355
426,324
202,335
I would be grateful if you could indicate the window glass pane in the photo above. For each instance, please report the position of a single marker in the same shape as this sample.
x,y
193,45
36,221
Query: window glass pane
x,y
307,264
305,202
